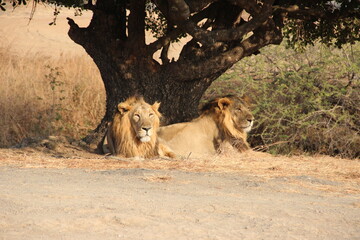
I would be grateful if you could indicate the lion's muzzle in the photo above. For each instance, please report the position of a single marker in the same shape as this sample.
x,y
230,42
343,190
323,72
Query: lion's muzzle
x,y
144,134
249,126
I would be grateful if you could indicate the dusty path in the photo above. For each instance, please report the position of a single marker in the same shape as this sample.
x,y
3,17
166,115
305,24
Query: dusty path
x,y
40,203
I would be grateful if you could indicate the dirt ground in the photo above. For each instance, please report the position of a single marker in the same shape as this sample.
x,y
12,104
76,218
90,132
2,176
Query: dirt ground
x,y
67,193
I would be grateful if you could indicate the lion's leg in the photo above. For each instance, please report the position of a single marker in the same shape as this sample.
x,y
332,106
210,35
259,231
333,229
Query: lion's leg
x,y
105,145
108,144
240,144
165,151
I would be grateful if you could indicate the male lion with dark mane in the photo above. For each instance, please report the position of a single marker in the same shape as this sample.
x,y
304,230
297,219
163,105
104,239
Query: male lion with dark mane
x,y
133,131
223,121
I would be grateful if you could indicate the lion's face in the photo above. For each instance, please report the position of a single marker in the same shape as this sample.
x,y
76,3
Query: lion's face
x,y
143,117
144,121
232,111
241,116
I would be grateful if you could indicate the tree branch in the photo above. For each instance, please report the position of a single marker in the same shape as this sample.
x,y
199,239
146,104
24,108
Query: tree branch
x,y
175,32
191,69
269,33
249,5
76,33
109,19
136,25
210,37
164,54
105,6
122,18
239,32
89,6
198,5
178,14
165,50
163,41
178,11
225,38
296,12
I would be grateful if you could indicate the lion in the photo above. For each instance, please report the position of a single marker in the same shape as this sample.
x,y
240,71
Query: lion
x,y
133,131
223,121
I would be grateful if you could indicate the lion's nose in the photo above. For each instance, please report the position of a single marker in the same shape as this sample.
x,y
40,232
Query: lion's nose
x,y
146,128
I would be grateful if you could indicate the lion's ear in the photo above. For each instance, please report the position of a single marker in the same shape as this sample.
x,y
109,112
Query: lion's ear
x,y
223,103
156,106
246,99
123,107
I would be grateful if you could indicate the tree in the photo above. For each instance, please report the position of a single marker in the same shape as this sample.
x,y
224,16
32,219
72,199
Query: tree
x,y
222,33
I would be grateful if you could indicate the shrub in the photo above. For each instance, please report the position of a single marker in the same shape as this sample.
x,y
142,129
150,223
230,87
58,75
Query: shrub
x,y
304,102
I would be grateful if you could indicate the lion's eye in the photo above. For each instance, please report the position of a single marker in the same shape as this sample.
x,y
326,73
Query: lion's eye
x,y
151,115
136,117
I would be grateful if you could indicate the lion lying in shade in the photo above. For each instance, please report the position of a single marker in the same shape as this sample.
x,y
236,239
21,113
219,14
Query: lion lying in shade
x,y
223,121
133,131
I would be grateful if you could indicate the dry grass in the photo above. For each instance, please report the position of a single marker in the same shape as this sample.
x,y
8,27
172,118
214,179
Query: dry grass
x,y
257,164
41,96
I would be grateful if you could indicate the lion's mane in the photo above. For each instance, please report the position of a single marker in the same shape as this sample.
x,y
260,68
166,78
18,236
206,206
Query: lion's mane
x,y
121,137
224,111
222,121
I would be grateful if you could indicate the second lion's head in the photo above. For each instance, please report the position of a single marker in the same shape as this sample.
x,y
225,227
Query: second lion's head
x,y
231,113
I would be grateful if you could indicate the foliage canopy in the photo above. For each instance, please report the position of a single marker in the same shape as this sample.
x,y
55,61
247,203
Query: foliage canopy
x,y
334,22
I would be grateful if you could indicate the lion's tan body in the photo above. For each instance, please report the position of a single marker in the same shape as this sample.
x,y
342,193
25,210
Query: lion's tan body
x,y
224,121
133,131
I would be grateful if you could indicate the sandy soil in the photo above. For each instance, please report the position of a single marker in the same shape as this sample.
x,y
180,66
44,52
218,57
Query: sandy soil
x,y
56,190
67,193
150,204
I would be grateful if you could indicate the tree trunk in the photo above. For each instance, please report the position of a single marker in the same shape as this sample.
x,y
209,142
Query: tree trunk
x,y
179,100
116,43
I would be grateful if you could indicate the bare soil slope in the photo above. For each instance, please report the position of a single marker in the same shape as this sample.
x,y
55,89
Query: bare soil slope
x,y
150,204
72,194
